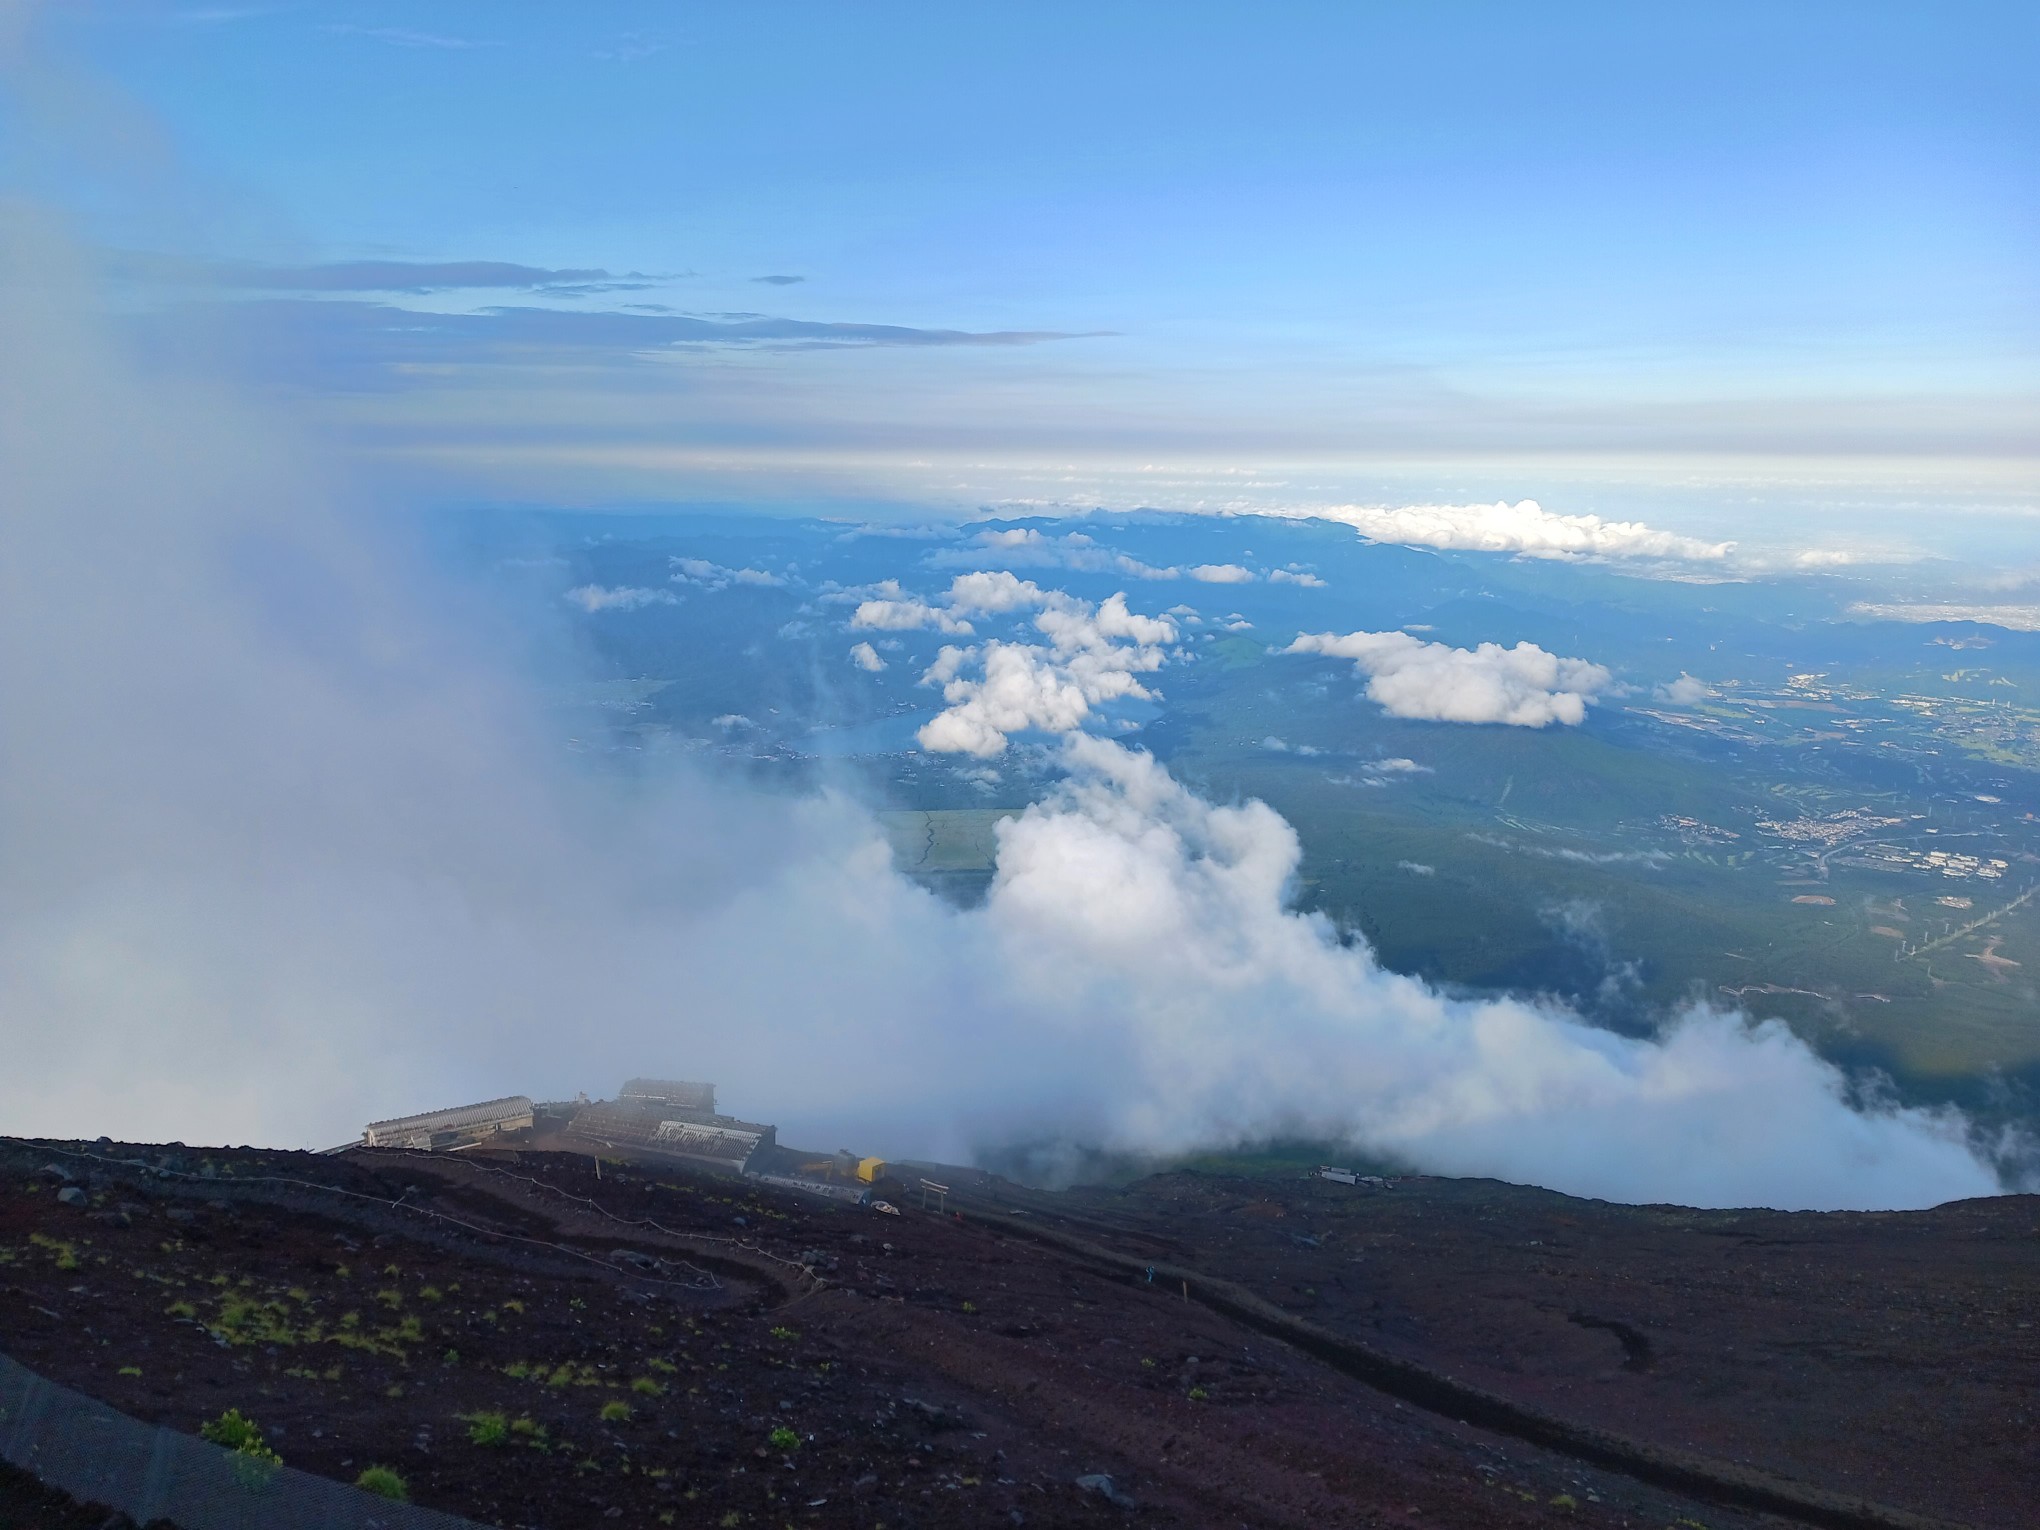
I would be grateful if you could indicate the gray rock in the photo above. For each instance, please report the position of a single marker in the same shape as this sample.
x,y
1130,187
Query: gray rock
x,y
1107,1489
71,1195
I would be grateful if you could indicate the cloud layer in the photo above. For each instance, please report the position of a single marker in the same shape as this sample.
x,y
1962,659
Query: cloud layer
x,y
1524,527
1523,686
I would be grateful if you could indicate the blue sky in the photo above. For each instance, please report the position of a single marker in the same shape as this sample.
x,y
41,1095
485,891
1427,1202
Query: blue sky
x,y
1081,252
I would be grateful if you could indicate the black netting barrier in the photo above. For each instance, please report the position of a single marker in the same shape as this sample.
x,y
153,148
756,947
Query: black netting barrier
x,y
101,1456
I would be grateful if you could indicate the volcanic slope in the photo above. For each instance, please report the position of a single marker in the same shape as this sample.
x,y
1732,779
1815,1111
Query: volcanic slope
x,y
529,1344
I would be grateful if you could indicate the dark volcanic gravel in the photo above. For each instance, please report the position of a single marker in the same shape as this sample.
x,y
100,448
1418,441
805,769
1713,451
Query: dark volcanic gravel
x,y
547,1364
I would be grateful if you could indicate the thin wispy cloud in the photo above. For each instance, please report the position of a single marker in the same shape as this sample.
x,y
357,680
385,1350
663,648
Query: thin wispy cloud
x,y
351,344
779,281
419,276
629,48
404,37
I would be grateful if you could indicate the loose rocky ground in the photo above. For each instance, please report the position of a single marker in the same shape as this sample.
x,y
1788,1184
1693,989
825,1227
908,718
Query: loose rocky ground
x,y
529,1345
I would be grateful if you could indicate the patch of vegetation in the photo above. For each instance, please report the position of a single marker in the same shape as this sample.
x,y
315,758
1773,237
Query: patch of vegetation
x,y
233,1430
63,1254
384,1483
489,1429
616,1413
783,1438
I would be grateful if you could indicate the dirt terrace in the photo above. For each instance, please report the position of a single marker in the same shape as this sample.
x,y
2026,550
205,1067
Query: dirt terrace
x,y
519,1342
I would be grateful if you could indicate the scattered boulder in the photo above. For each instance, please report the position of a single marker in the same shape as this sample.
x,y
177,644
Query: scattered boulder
x,y
1107,1489
71,1195
936,1419
56,1172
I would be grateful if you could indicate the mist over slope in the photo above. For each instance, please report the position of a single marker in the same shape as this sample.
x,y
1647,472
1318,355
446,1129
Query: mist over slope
x,y
287,849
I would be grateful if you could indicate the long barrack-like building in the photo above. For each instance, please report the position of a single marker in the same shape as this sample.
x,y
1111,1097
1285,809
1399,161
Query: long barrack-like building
x,y
458,1127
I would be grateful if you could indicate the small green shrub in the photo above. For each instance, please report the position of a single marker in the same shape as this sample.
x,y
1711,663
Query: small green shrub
x,y
384,1483
1198,1394
783,1438
616,1413
785,1334
489,1429
645,1386
237,1432
532,1434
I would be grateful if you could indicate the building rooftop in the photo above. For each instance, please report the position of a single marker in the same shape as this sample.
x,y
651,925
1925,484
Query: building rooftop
x,y
457,1117
672,1093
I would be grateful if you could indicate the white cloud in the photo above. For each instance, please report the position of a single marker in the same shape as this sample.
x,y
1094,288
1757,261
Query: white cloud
x,y
730,720
594,597
1523,686
2015,618
1416,868
1221,573
905,615
994,592
1128,892
713,576
1093,656
1293,576
1684,691
1524,527
1025,547
865,657
831,593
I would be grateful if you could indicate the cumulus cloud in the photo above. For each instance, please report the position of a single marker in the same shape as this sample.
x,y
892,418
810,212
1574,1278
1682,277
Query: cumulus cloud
x,y
866,658
1295,576
594,597
1177,907
1684,691
288,850
1523,686
1221,573
994,592
905,614
1524,527
713,576
1093,656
